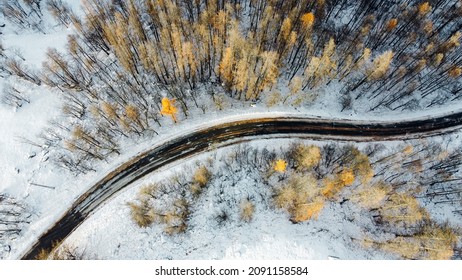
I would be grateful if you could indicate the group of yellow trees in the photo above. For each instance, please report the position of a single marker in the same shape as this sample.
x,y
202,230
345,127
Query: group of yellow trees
x,y
304,181
251,45
305,194
213,44
216,43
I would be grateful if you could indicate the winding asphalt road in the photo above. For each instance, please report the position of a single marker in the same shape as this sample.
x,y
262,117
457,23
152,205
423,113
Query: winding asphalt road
x,y
228,134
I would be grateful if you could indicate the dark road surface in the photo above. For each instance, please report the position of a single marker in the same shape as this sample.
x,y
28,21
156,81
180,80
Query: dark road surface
x,y
227,134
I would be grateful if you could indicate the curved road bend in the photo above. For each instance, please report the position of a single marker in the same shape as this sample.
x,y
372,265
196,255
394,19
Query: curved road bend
x,y
227,134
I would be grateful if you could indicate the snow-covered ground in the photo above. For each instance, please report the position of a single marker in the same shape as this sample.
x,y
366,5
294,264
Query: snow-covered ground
x,y
111,234
337,233
22,163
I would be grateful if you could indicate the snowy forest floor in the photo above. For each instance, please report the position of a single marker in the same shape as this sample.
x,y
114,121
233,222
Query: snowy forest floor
x,y
24,164
215,229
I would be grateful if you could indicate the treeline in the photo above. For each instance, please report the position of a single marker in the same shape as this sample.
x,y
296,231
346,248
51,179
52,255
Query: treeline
x,y
383,50
303,179
126,56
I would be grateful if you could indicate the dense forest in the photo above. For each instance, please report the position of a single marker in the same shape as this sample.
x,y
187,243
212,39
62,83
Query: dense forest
x,y
130,63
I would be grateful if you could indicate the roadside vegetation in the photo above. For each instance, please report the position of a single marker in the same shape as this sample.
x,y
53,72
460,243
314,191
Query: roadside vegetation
x,y
385,186
64,252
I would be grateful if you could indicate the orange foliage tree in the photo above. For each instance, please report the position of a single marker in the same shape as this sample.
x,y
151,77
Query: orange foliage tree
x,y
280,166
168,108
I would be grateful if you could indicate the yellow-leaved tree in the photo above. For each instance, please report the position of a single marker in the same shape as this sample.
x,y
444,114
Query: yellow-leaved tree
x,y
280,165
424,9
333,185
455,72
306,156
300,197
381,65
307,20
168,108
432,242
391,24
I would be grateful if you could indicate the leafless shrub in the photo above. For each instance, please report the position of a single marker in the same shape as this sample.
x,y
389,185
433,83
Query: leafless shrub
x,y
13,97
